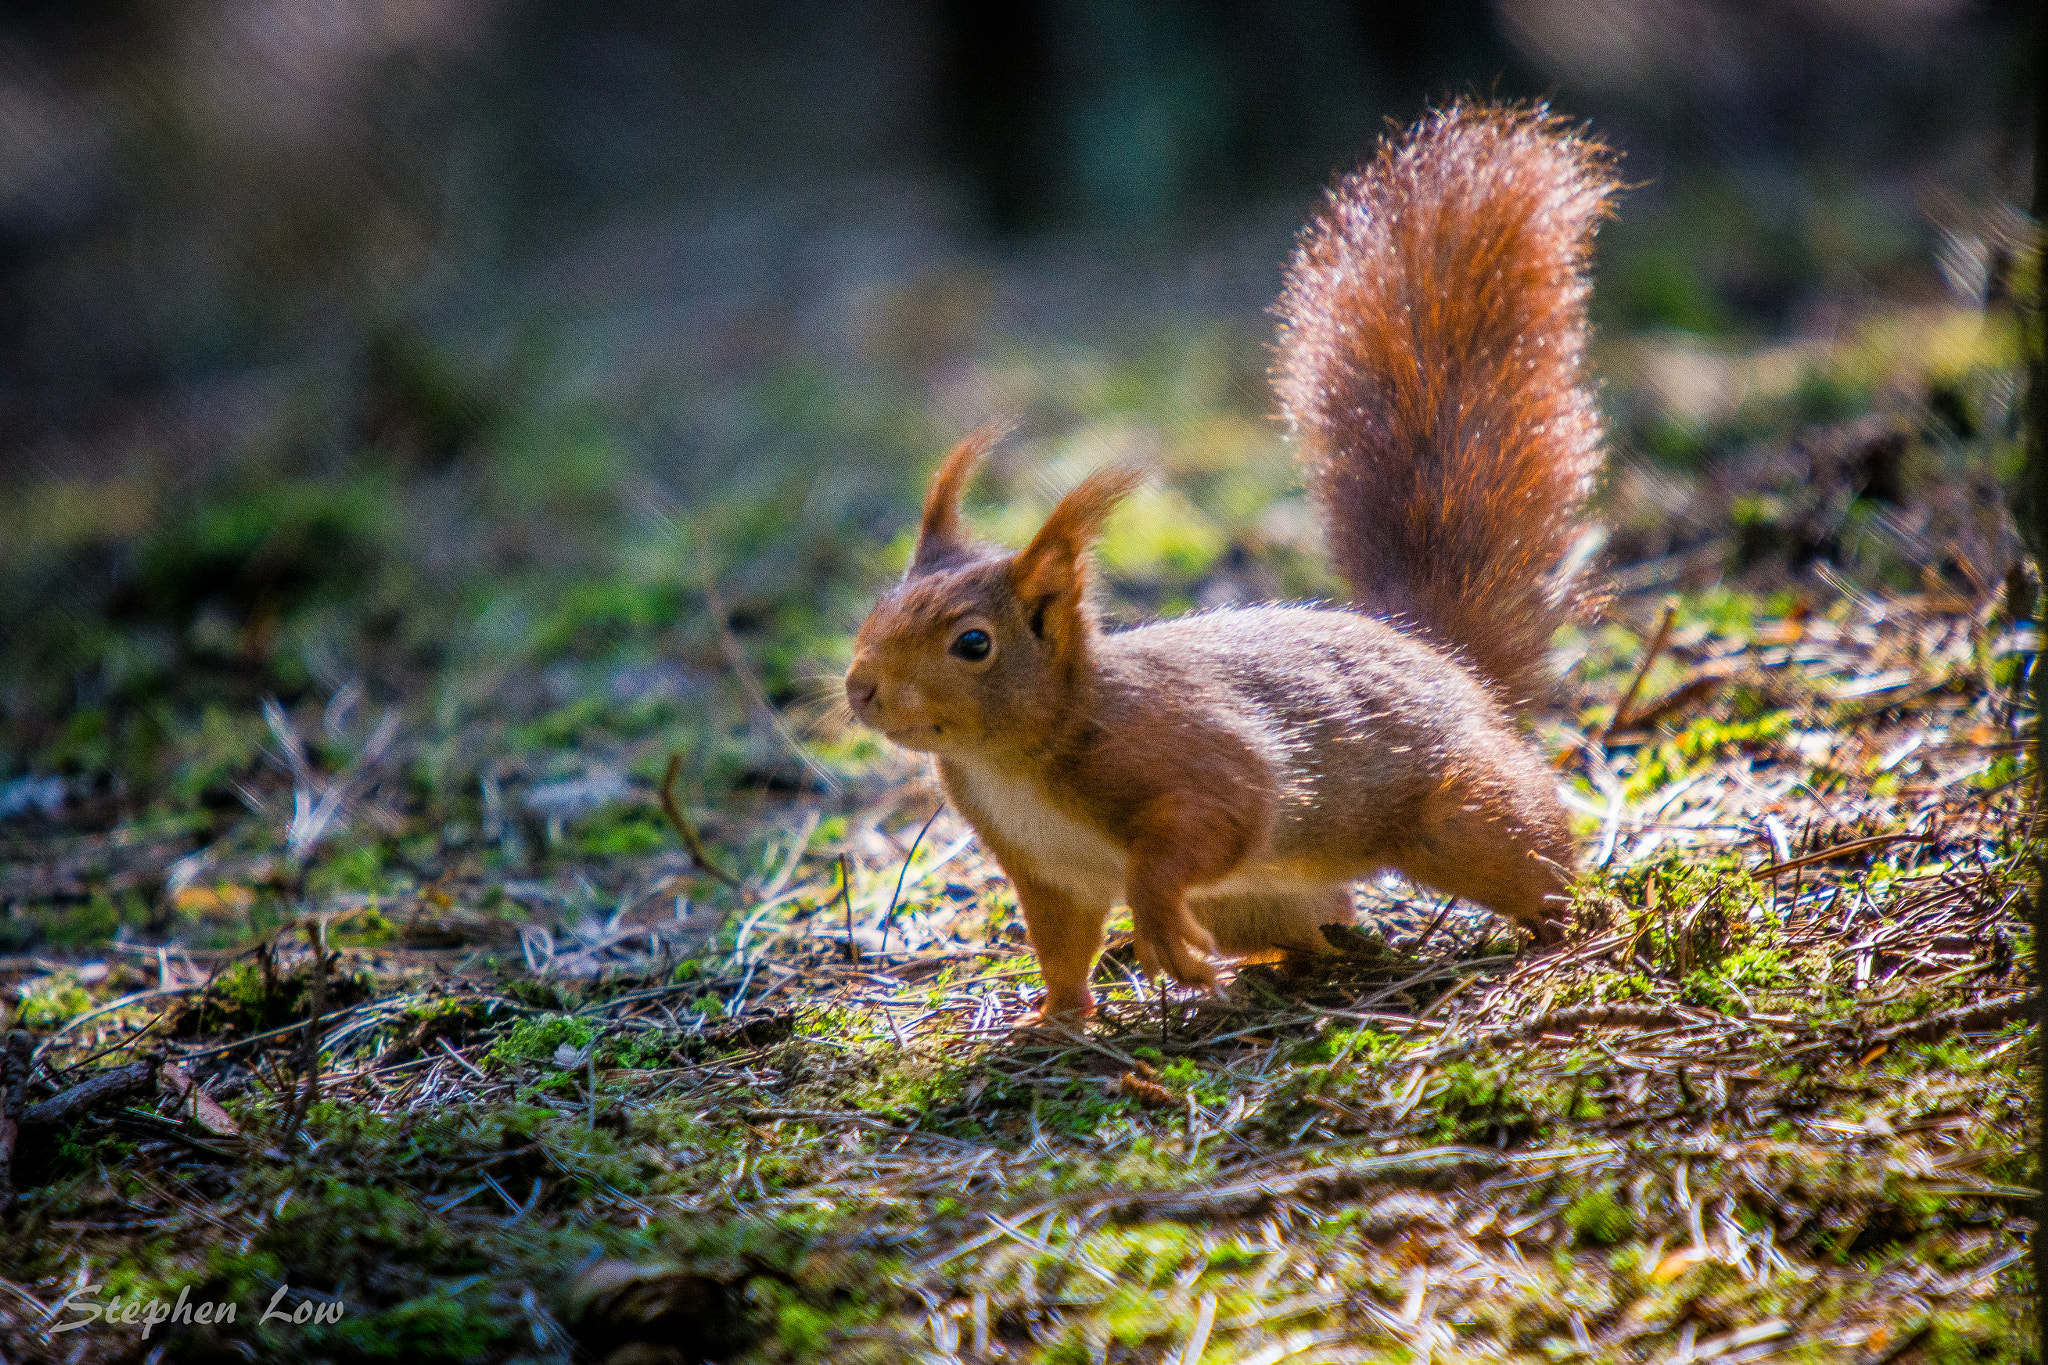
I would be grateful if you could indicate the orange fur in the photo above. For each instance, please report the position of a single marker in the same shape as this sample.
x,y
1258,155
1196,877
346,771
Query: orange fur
x,y
1051,576
1227,775
942,534
1432,335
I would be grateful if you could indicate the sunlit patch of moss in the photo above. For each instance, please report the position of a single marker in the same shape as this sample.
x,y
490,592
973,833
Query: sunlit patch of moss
x,y
1158,533
1743,976
1191,1078
364,868
619,832
1703,922
365,928
1365,1046
1481,1103
1999,773
536,1039
1598,1217
1732,615
1703,740
52,1000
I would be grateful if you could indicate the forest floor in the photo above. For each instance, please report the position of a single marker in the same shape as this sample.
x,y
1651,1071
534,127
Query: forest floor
x,y
400,1017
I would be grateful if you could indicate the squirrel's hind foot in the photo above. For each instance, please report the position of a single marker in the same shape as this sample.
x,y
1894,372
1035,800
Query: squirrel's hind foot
x,y
1180,960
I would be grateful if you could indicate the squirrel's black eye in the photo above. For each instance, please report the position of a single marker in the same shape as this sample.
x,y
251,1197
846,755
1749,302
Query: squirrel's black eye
x,y
972,645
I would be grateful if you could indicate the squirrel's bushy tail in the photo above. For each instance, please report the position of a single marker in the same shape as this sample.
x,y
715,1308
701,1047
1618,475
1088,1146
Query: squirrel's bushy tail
x,y
1432,331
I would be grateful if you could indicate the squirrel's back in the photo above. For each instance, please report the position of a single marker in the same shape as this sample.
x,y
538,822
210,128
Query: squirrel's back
x,y
1430,363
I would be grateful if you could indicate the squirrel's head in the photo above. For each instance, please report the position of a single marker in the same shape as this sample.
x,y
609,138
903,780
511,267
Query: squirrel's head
x,y
977,648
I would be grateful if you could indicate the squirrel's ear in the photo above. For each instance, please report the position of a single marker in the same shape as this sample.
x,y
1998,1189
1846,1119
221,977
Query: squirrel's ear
x,y
942,537
1049,574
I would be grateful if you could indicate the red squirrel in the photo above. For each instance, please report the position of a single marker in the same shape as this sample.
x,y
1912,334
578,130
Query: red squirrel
x,y
1229,774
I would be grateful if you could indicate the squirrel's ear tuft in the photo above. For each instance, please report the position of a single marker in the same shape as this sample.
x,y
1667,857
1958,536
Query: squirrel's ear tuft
x,y
942,538
1051,569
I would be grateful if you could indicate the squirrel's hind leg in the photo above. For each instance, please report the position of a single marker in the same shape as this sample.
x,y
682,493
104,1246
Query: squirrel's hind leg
x,y
1290,920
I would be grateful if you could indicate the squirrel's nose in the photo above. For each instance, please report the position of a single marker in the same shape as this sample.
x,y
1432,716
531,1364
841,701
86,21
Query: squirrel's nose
x,y
860,690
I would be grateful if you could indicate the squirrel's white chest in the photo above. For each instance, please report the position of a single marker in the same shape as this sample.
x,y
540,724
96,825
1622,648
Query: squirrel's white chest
x,y
1056,848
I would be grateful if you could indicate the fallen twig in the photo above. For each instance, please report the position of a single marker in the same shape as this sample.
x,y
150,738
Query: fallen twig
x,y
890,918
1345,1178
115,1083
684,829
1844,850
111,1007
856,1120
1678,698
846,895
1619,720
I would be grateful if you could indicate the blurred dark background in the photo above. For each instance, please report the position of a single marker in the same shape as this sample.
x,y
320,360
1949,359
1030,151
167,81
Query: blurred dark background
x,y
191,192
444,352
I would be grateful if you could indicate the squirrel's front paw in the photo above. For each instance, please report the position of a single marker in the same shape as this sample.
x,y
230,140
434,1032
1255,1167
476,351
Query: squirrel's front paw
x,y
1180,954
1061,1007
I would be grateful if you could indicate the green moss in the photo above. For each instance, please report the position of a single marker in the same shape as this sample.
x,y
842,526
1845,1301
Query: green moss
x,y
554,638
641,1050
590,618
1598,1217
537,1039
1190,1077
1999,773
1666,287
619,832
1159,534
1704,740
49,1002
253,997
357,869
363,929
434,1327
